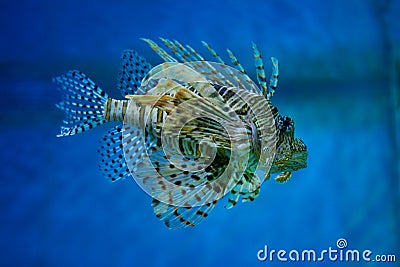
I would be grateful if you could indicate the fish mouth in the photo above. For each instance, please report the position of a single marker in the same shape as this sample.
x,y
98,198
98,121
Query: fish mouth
x,y
299,160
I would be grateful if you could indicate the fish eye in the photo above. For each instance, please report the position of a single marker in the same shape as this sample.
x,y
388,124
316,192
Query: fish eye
x,y
285,124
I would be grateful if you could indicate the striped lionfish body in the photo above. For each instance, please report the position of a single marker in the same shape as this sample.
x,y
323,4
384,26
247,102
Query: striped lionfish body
x,y
191,131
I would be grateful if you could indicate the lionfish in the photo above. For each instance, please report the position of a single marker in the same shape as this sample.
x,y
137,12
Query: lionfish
x,y
191,130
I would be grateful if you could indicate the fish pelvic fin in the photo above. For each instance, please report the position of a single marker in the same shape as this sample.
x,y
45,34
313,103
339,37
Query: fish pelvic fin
x,y
83,103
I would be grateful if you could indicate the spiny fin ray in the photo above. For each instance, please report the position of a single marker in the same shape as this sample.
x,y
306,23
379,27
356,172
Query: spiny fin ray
x,y
161,52
262,81
181,217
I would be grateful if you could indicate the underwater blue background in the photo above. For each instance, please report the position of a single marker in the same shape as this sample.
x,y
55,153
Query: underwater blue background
x,y
339,81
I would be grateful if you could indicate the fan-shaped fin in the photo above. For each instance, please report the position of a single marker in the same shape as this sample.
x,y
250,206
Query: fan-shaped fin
x,y
121,150
83,103
134,68
112,163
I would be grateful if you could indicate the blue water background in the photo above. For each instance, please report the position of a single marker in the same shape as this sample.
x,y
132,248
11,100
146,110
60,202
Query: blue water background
x,y
339,63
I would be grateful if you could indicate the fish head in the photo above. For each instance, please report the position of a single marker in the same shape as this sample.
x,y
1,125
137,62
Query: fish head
x,y
298,159
291,152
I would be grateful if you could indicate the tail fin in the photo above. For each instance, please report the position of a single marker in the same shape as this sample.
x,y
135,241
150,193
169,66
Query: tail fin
x,y
83,103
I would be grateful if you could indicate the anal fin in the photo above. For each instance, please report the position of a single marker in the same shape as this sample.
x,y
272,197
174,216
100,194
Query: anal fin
x,y
112,163
121,151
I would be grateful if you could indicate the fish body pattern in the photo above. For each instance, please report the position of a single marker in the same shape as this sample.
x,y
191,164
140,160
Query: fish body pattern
x,y
191,131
